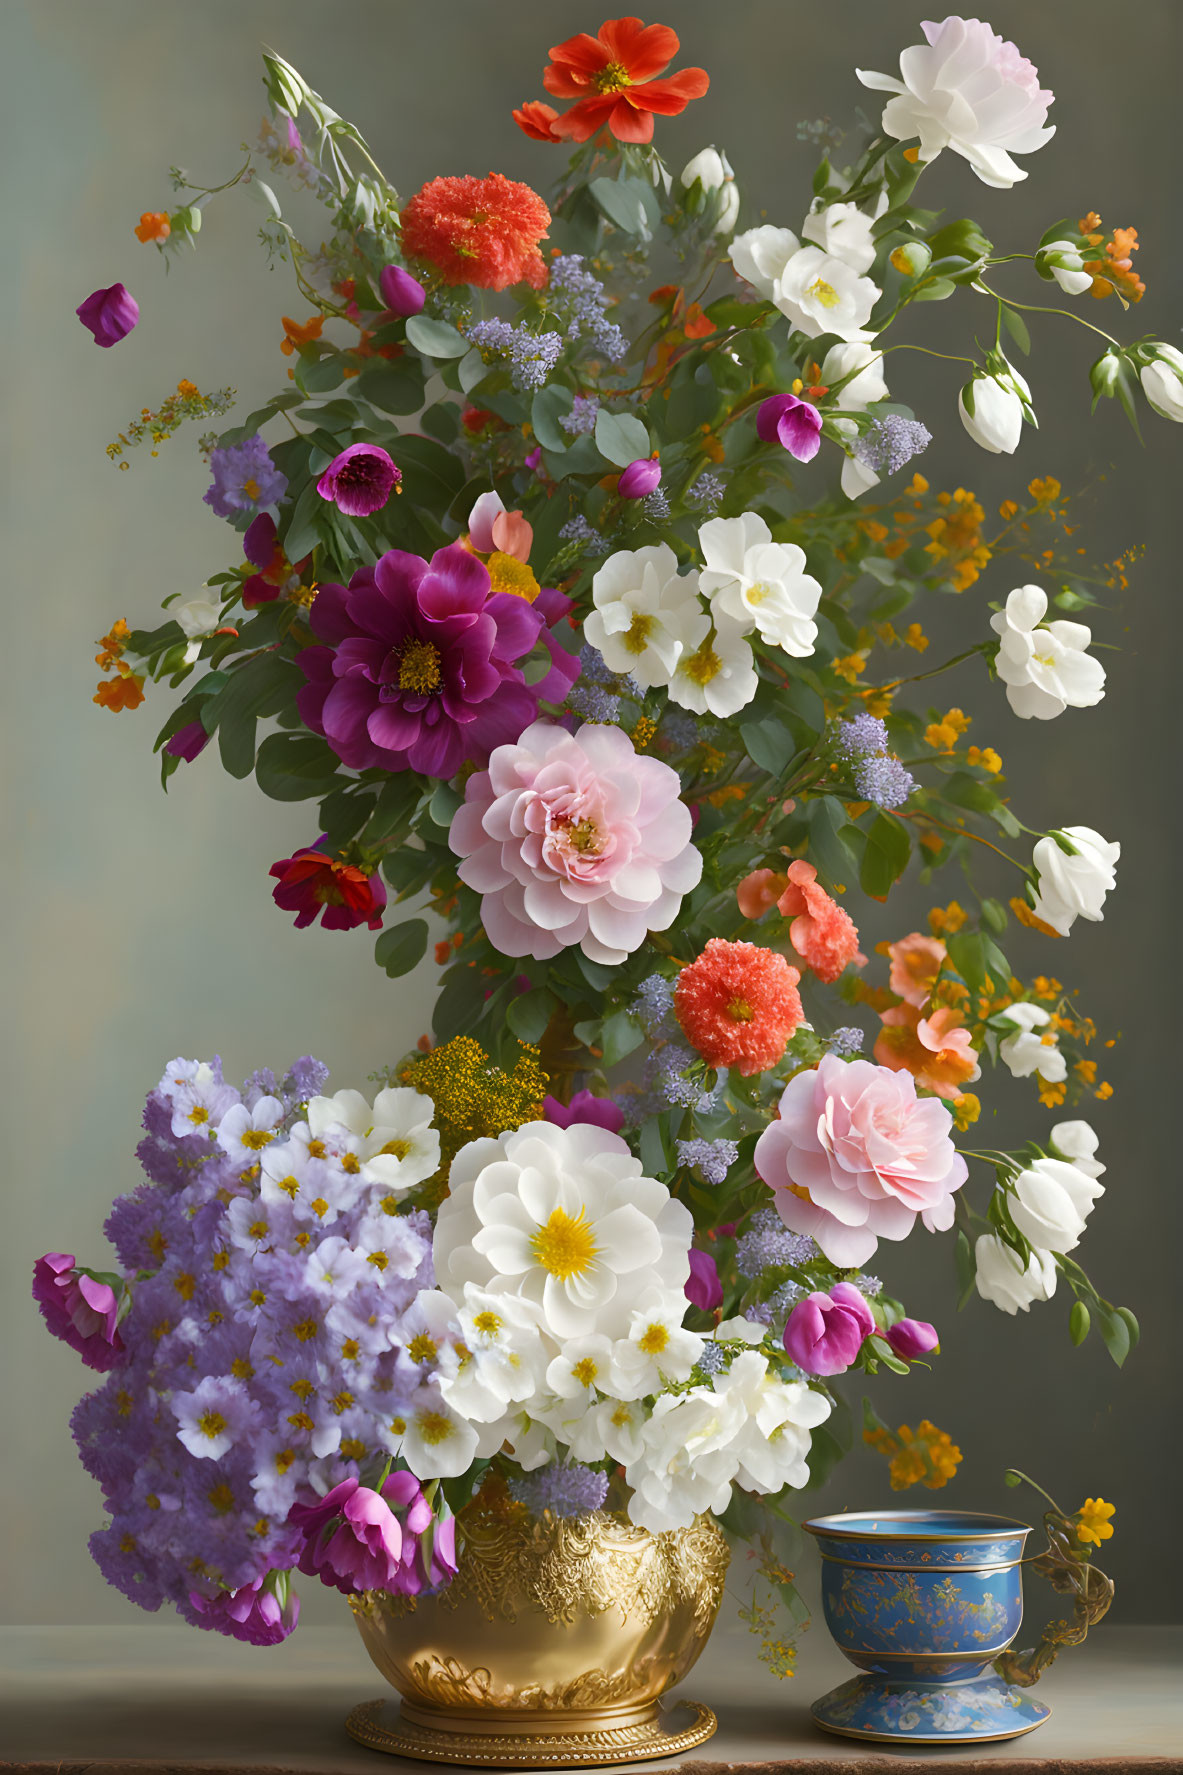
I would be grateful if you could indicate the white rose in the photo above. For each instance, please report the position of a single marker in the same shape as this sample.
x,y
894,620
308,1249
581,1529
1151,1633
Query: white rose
x,y
689,1459
970,90
1077,1142
1162,382
1003,1280
1023,1051
1073,886
1066,265
865,385
821,294
646,614
1045,669
1051,1203
844,231
758,583
999,403
759,255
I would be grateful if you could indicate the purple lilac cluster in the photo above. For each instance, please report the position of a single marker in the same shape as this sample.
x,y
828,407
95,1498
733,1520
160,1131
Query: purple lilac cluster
x,y
888,443
564,1488
579,529
598,691
768,1244
847,1041
706,493
531,356
775,1310
260,1364
582,417
714,1158
245,478
713,1359
580,301
656,506
879,777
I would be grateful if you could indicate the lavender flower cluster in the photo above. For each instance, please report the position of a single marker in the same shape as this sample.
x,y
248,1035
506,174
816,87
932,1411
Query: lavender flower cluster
x,y
580,301
531,356
564,1488
879,777
768,1244
263,1360
888,443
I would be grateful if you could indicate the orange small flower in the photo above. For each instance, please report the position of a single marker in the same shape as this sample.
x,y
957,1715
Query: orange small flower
x,y
153,225
936,1050
1025,916
697,324
536,119
295,334
112,645
126,691
915,963
739,1005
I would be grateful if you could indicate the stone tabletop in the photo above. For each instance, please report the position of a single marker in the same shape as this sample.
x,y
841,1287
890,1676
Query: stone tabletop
x,y
161,1699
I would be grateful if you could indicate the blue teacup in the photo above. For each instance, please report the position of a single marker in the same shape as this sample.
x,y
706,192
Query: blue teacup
x,y
923,1601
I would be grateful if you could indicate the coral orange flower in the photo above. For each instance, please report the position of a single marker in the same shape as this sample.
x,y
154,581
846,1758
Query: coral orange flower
x,y
936,1050
294,334
483,232
822,934
915,963
760,890
536,118
613,76
153,225
738,1005
126,691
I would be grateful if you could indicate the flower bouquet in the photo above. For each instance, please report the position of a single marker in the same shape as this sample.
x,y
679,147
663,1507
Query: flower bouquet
x,y
543,585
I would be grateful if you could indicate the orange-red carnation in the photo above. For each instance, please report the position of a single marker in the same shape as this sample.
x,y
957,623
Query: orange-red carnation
x,y
823,935
738,1005
536,118
483,232
613,75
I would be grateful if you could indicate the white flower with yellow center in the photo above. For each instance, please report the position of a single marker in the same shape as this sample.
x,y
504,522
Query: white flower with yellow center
x,y
1044,665
429,1335
393,1143
772,1448
759,255
758,583
565,1221
502,1357
657,1349
244,1134
719,676
433,1439
583,1368
646,614
819,293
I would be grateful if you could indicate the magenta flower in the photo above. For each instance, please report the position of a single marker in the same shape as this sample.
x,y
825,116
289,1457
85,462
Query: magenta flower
x,y
360,480
602,1112
418,671
79,1310
639,478
703,1287
787,420
825,1332
188,742
352,1539
910,1338
252,1613
402,294
420,1530
110,314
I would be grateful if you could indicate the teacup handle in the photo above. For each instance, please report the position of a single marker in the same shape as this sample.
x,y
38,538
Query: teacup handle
x,y
1073,1576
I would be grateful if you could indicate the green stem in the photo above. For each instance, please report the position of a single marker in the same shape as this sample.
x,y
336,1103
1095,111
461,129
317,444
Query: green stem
x,y
1041,308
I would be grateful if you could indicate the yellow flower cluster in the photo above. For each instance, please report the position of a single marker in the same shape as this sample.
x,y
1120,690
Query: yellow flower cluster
x,y
956,536
473,1098
924,1456
1092,1521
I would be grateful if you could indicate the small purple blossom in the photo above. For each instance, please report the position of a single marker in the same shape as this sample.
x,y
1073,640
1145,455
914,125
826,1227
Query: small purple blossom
x,y
531,356
306,1078
594,667
582,417
794,424
188,742
706,493
883,781
713,1359
639,478
360,480
825,1332
594,704
578,529
245,478
110,314
714,1158
868,1285
580,302
654,1005
79,1310
847,1041
564,1488
866,734
401,293
768,1244
656,507
888,443
253,1613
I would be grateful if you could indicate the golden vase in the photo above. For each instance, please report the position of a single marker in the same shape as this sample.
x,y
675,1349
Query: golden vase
x,y
553,1644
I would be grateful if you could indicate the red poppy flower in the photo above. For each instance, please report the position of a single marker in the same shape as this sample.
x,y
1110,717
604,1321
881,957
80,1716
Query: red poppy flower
x,y
312,884
536,118
613,75
483,232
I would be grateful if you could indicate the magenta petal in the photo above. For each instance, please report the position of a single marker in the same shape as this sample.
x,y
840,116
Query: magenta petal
x,y
110,314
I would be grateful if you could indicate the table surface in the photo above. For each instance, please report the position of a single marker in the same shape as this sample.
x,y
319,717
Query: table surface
x,y
163,1697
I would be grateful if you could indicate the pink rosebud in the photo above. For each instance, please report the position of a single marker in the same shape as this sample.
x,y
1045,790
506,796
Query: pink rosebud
x,y
703,1287
360,480
910,1338
794,424
639,478
825,1332
402,294
602,1112
79,1310
188,742
110,314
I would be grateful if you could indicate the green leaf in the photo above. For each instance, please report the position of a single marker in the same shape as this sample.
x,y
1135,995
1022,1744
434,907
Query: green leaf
x,y
1078,1322
885,857
967,1268
937,289
1131,1325
653,1153
828,826
1115,1333
624,203
621,438
435,338
619,1036
550,405
260,688
295,767
443,805
885,1354
396,388
402,947
304,529
993,916
529,1014
769,744
316,375
1016,326
962,237
975,955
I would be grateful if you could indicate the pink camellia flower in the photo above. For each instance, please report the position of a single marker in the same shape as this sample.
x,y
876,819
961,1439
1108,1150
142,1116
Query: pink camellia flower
x,y
910,1338
794,424
916,960
970,90
360,480
639,478
79,1310
703,1288
110,314
855,1156
825,1332
401,293
824,936
252,1613
602,1112
575,838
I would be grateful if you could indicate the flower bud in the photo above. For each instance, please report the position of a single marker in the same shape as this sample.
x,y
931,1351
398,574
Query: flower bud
x,y
639,478
703,1288
910,1338
912,257
1060,260
1106,373
1162,381
709,167
402,294
110,314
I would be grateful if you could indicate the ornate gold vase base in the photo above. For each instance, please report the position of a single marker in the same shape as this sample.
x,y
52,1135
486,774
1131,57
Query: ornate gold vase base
x,y
404,1731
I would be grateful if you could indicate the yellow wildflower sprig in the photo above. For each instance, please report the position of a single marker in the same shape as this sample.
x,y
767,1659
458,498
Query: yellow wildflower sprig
x,y
1067,1564
156,428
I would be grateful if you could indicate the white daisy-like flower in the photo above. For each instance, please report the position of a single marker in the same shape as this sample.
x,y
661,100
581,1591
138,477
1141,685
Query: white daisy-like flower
x,y
1044,665
504,1360
758,583
719,677
646,614
434,1439
658,1349
244,1133
564,1220
583,1368
391,1143
819,294
772,1447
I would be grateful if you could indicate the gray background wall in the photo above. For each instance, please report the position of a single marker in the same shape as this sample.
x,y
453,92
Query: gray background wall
x,y
139,927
